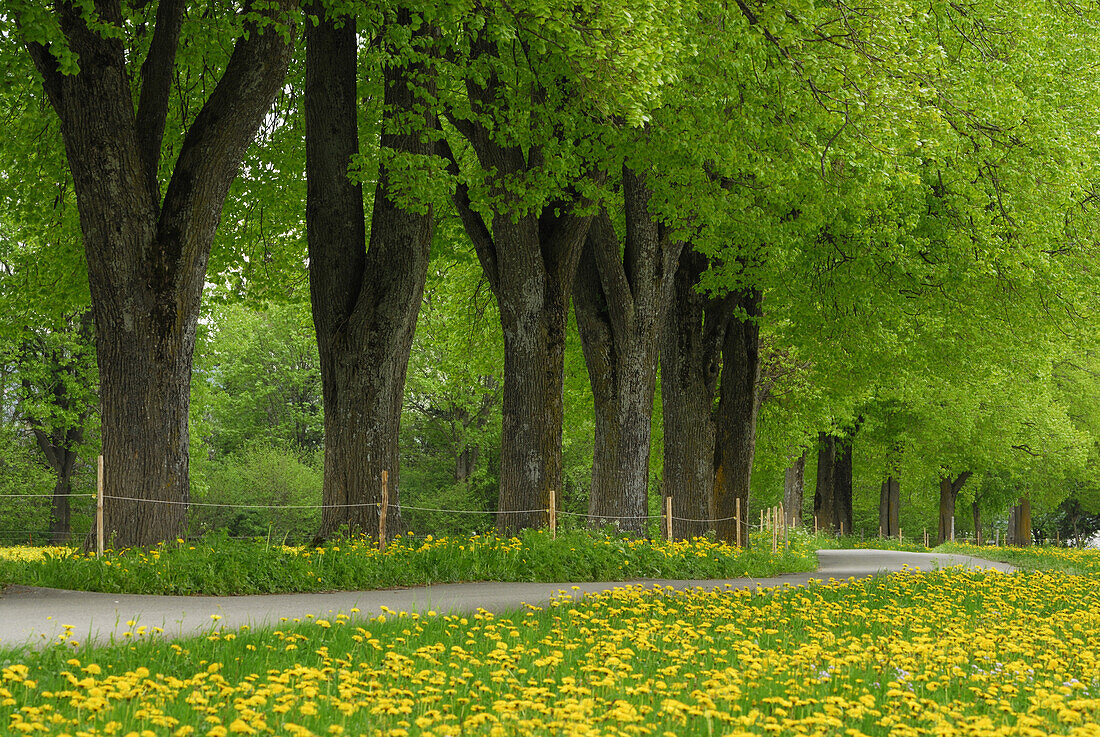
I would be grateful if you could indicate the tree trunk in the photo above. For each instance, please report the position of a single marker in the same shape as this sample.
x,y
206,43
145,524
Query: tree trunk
x,y
1021,523
976,511
842,484
529,255
62,460
365,299
735,424
146,254
465,463
794,485
61,512
889,506
691,344
949,492
620,303
824,492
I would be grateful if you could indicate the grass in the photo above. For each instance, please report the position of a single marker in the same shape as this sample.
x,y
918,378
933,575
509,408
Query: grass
x,y
947,652
220,566
1066,560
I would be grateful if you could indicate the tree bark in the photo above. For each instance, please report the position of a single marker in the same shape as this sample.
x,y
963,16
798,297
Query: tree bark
x,y
147,255
949,492
889,506
620,303
794,486
365,298
691,345
529,256
735,424
825,490
1021,523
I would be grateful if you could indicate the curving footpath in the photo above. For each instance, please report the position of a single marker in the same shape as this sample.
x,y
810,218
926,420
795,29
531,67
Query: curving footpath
x,y
37,616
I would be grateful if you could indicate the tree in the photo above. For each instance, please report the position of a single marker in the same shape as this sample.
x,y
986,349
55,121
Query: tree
x,y
147,247
529,261
365,297
691,345
949,492
621,294
794,484
58,394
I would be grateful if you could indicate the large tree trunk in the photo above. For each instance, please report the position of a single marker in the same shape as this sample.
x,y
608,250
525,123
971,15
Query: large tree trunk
x,y
889,504
365,300
949,492
529,256
691,345
735,424
794,486
1021,523
620,302
824,491
146,254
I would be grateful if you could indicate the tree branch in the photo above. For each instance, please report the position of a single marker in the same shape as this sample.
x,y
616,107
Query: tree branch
x,y
618,295
957,484
216,143
46,65
156,87
476,229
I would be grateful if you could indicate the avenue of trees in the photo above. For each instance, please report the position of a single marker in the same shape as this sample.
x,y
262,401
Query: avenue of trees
x,y
838,257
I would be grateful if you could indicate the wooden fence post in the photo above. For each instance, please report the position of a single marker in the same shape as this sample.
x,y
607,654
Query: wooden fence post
x,y
782,533
383,510
775,529
553,515
668,518
737,512
99,510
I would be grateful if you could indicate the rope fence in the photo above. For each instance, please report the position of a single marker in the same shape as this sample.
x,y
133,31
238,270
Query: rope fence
x,y
768,521
772,519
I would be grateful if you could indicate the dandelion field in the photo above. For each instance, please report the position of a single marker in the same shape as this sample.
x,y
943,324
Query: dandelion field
x,y
947,652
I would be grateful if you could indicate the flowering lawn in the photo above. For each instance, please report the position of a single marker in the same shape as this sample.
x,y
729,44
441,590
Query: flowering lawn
x,y
1071,560
947,652
220,566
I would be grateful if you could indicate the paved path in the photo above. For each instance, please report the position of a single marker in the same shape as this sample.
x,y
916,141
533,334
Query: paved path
x,y
37,616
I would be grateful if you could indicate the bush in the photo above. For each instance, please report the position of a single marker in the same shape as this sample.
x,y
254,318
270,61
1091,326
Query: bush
x,y
21,473
259,474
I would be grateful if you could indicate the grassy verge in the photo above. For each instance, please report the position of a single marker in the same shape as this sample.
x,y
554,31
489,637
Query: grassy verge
x,y
1066,560
947,652
219,566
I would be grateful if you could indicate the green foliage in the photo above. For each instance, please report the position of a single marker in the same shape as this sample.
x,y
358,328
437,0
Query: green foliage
x,y
255,476
257,377
22,475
